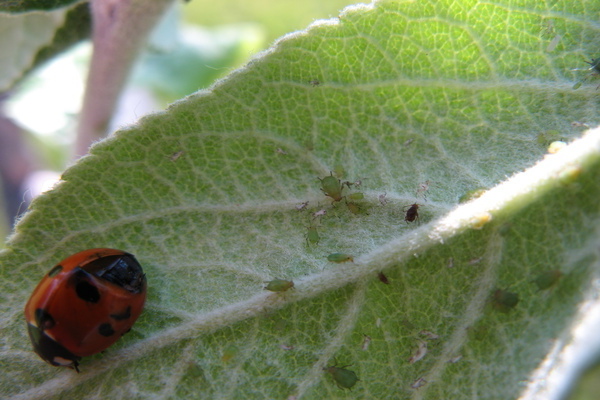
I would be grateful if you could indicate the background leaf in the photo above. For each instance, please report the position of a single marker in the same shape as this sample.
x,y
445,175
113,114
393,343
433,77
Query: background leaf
x,y
19,6
205,194
30,39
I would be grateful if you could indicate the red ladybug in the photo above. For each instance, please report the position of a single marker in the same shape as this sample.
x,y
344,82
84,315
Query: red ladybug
x,y
84,305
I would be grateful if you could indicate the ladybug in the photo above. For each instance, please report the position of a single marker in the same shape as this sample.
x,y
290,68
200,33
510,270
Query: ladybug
x,y
85,304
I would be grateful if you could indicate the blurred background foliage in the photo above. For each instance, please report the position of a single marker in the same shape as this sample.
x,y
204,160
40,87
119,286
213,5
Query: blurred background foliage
x,y
196,43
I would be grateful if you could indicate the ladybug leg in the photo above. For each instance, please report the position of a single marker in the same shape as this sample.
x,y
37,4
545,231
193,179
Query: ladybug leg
x,y
75,366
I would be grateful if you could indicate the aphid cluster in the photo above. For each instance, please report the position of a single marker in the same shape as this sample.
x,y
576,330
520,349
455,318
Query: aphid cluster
x,y
333,187
337,190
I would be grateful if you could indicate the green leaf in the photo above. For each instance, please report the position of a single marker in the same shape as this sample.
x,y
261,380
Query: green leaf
x,y
207,196
30,39
19,6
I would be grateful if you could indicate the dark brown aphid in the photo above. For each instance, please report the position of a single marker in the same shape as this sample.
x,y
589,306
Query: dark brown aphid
x,y
504,301
383,278
412,213
547,279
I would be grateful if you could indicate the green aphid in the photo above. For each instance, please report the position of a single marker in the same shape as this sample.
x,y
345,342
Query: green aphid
x,y
340,258
312,235
356,196
343,377
472,194
547,279
279,285
228,353
504,301
353,207
332,187
338,170
547,137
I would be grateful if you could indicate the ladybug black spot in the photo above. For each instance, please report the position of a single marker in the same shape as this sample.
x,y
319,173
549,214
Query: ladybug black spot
x,y
122,316
87,292
106,330
55,271
50,350
43,319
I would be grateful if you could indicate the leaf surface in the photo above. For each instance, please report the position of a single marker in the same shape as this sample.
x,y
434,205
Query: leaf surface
x,y
205,194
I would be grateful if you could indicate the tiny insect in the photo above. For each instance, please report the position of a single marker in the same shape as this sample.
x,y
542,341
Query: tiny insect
x,y
356,184
228,353
339,171
279,150
504,301
312,235
279,285
286,347
408,142
594,66
353,207
547,279
320,213
309,144
302,206
547,137
553,43
175,156
332,187
419,353
594,70
356,196
548,27
340,258
343,377
423,188
412,213
577,124
383,278
382,199
455,359
475,261
418,383
366,342
314,82
429,335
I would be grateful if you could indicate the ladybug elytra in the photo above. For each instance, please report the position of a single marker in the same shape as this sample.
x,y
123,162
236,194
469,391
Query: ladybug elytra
x,y
85,304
